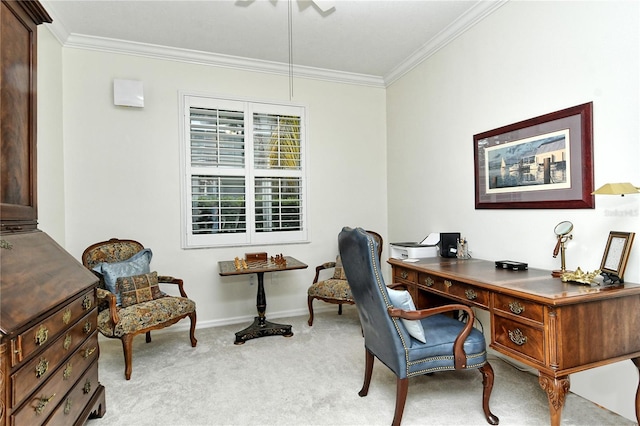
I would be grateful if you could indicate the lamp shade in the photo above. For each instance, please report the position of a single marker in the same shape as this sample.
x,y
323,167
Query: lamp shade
x,y
616,189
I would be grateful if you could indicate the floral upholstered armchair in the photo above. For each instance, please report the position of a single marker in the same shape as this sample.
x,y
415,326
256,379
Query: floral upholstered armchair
x,y
336,289
129,296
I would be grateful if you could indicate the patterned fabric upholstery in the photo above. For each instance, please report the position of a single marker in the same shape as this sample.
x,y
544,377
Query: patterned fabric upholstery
x,y
125,323
335,289
331,288
144,315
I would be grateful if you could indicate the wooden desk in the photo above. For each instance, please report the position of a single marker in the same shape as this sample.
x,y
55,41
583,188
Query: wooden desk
x,y
261,327
558,328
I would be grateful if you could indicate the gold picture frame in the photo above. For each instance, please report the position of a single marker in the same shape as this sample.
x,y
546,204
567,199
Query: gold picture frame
x,y
616,255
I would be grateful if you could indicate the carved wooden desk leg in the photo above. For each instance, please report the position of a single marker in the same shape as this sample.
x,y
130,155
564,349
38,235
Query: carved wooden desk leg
x,y
556,389
636,361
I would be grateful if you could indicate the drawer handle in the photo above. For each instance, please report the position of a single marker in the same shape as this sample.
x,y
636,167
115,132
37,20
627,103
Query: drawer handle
x,y
517,337
87,387
42,367
67,371
516,308
88,352
404,275
471,295
66,316
87,303
67,342
41,335
447,283
429,282
67,406
87,327
42,403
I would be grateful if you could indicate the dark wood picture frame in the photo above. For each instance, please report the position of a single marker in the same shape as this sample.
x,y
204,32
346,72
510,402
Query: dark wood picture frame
x,y
508,171
616,254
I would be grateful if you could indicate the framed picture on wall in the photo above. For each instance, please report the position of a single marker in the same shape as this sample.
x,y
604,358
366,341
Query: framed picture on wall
x,y
545,162
616,254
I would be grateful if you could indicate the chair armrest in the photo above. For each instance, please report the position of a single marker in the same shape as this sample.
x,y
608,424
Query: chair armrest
x,y
326,265
166,279
111,300
459,355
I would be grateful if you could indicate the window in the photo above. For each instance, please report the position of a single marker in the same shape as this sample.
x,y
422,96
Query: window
x,y
244,172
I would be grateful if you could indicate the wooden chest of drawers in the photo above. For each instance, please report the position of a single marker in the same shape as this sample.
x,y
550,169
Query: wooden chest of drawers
x,y
49,342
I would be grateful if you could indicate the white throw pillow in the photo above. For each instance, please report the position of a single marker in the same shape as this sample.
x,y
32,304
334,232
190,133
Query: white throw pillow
x,y
402,299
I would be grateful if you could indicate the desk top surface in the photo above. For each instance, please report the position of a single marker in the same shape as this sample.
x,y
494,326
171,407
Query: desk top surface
x,y
228,267
532,283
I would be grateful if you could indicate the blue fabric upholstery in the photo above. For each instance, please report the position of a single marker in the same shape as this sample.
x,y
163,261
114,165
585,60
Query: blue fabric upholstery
x,y
386,337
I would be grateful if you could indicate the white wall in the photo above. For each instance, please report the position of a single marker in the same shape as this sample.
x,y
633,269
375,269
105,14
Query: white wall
x,y
122,178
524,60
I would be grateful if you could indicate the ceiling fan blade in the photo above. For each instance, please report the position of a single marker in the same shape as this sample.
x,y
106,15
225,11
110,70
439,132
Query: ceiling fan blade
x,y
324,5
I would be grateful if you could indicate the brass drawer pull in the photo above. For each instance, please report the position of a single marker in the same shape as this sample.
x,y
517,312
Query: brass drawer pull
x,y
66,316
67,371
42,403
87,387
429,282
67,406
42,367
87,303
516,308
404,275
471,295
67,342
447,283
88,352
87,327
517,337
41,335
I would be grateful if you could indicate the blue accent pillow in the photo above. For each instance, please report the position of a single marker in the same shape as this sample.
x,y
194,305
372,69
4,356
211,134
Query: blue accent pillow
x,y
136,265
402,299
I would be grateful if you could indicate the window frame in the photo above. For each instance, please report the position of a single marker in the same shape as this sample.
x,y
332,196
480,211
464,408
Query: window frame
x,y
251,237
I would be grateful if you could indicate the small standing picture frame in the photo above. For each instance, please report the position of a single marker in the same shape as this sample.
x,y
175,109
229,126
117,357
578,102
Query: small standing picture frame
x,y
616,254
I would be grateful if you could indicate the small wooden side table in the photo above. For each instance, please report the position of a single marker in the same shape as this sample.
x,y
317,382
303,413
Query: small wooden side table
x,y
261,327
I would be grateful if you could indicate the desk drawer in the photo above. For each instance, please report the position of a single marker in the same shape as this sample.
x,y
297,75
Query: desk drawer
x,y
514,306
36,371
458,290
518,337
404,274
25,344
72,406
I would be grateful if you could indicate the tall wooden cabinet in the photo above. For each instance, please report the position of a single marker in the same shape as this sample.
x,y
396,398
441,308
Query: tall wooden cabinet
x,y
48,336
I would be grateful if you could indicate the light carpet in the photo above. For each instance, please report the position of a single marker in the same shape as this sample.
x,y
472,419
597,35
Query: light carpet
x,y
311,378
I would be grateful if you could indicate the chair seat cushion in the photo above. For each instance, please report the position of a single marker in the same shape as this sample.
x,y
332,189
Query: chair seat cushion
x,y
437,353
144,315
331,289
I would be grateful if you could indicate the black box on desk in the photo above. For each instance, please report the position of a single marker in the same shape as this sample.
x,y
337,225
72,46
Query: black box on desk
x,y
449,244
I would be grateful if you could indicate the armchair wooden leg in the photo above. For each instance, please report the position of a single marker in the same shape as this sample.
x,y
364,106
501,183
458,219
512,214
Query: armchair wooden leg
x,y
310,303
192,330
487,384
148,337
402,387
127,340
368,369
339,308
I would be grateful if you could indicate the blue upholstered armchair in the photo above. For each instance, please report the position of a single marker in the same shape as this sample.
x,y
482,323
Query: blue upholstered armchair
x,y
407,341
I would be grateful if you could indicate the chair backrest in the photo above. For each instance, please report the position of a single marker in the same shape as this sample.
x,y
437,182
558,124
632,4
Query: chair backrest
x,y
384,336
113,250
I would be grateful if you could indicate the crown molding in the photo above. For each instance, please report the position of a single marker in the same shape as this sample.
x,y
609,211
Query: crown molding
x,y
474,15
455,29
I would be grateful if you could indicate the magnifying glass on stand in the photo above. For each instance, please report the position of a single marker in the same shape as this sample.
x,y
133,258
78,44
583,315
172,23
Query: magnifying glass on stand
x,y
563,233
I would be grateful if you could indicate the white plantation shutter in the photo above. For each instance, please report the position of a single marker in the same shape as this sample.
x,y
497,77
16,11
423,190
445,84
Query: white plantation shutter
x,y
244,172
